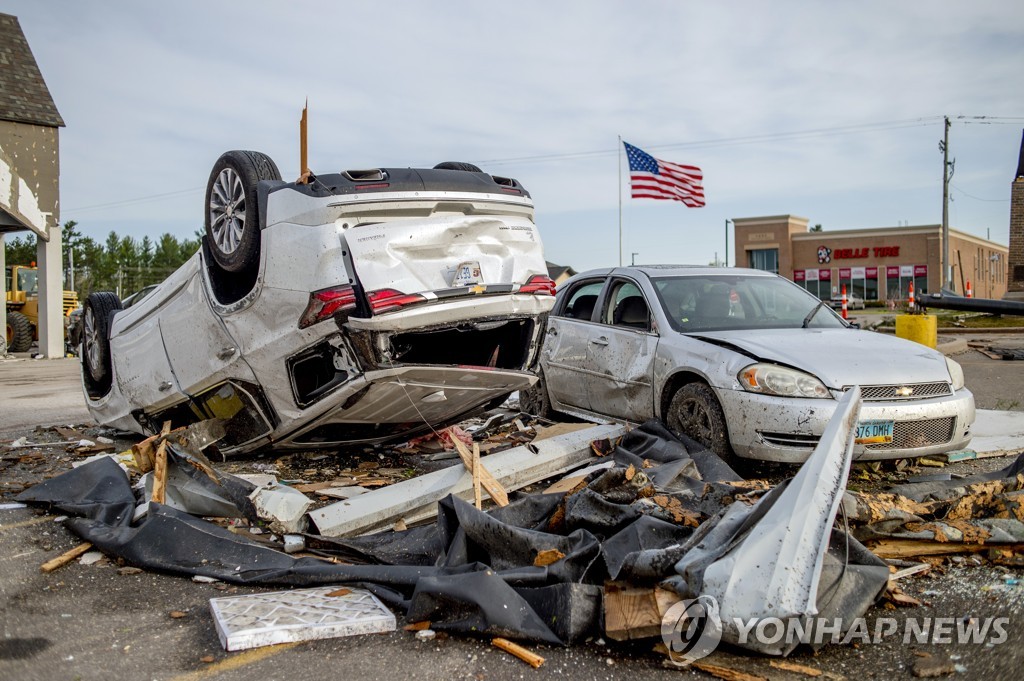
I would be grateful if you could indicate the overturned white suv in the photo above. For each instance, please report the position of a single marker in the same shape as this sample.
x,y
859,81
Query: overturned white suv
x,y
364,306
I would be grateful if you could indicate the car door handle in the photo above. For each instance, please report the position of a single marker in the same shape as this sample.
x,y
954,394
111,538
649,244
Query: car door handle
x,y
552,331
226,353
165,386
601,340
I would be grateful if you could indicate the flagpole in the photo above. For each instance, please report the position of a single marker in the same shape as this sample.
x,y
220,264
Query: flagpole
x,y
618,160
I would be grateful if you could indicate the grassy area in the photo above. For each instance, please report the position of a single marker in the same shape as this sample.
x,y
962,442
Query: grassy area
x,y
978,320
964,320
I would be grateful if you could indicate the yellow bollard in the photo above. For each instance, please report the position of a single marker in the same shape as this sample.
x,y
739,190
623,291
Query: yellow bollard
x,y
920,328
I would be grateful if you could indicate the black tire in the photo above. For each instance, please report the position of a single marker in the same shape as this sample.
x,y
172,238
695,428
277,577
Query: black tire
x,y
96,318
457,165
536,401
696,413
20,332
232,208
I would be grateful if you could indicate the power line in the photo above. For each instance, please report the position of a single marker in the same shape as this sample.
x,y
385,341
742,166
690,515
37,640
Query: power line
x,y
978,198
697,144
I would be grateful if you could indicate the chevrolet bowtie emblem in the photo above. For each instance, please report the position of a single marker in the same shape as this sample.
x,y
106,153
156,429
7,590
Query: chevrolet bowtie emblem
x,y
478,289
904,391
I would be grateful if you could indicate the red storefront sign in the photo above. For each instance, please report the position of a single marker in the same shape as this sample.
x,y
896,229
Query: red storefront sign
x,y
876,251
892,272
871,273
824,275
798,275
920,270
844,272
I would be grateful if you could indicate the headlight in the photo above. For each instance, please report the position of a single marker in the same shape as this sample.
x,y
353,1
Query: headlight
x,y
772,379
956,373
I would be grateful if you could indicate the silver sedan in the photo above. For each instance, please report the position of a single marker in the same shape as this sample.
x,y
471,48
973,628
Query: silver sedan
x,y
743,361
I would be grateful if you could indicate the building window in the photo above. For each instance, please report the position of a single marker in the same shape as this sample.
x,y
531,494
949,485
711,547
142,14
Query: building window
x,y
870,283
766,259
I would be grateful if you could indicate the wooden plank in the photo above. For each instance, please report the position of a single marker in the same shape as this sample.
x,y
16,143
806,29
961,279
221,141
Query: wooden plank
x,y
416,499
487,481
160,467
144,454
559,429
909,548
65,558
634,612
476,476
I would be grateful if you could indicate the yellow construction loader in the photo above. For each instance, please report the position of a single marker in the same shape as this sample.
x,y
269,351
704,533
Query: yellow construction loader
x,y
23,306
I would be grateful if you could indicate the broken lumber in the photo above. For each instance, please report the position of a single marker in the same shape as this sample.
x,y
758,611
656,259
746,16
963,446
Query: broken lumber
x,y
910,548
65,558
635,612
477,466
486,480
416,499
160,467
530,658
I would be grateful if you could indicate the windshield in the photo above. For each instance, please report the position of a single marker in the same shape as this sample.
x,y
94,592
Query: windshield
x,y
725,302
28,281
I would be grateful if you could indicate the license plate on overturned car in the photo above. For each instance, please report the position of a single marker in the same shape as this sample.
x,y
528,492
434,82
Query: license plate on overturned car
x,y
873,432
467,273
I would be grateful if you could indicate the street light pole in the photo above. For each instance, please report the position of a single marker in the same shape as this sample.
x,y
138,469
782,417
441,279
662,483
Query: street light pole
x,y
727,221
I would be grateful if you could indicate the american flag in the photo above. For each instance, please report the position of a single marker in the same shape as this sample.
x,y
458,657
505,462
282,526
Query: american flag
x,y
654,179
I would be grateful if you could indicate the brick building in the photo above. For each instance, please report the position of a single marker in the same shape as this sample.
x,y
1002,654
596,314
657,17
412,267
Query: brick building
x,y
1015,289
875,264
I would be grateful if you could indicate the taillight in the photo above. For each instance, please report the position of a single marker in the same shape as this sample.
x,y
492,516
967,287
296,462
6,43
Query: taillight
x,y
539,284
388,299
326,303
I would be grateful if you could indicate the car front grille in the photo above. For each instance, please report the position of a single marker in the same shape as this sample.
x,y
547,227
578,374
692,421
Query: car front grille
x,y
905,435
919,391
790,439
914,434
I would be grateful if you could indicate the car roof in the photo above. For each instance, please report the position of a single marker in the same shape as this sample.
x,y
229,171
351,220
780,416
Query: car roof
x,y
655,271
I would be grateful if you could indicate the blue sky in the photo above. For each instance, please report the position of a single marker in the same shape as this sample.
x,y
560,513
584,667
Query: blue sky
x,y
152,93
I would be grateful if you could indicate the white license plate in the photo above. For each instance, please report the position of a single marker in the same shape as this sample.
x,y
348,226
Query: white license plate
x,y
873,432
467,273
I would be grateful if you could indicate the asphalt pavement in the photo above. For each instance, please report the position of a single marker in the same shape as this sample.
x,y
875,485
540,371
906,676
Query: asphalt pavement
x,y
101,621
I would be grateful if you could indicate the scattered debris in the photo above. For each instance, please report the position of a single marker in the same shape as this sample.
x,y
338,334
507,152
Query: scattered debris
x,y
530,658
65,558
265,619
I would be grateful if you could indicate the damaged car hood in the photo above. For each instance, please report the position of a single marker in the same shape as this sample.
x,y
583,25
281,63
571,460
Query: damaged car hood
x,y
839,357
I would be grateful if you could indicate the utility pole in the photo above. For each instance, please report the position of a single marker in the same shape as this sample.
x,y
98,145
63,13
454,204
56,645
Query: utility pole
x,y
633,259
947,273
727,221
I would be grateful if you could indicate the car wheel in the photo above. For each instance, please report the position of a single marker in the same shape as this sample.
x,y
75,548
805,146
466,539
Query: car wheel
x,y
20,333
696,413
232,208
457,165
535,400
96,319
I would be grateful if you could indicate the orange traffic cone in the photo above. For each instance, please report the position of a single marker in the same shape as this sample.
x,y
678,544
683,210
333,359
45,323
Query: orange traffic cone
x,y
970,294
911,301
844,301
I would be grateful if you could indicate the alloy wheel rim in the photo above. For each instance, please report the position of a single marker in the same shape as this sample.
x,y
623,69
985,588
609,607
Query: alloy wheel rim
x,y
92,349
227,210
